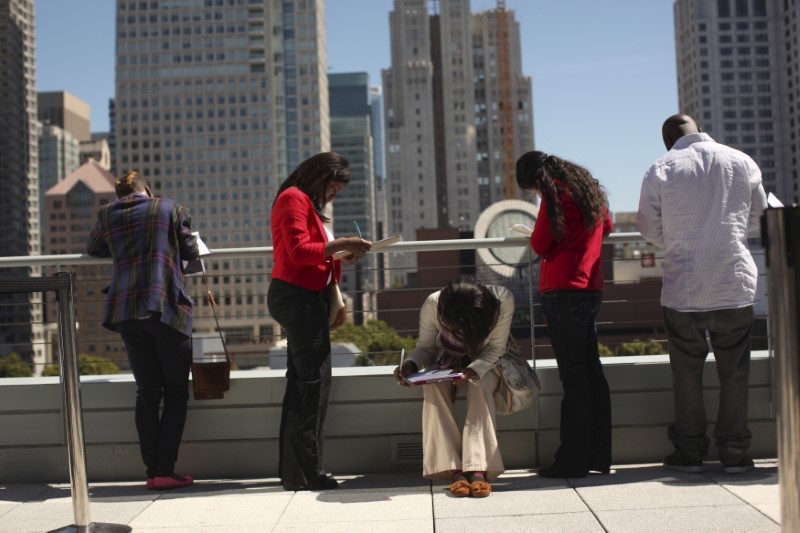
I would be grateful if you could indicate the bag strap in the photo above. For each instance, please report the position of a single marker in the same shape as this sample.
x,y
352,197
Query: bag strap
x,y
216,318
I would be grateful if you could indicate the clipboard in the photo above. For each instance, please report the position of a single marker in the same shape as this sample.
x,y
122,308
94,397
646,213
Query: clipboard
x,y
377,245
433,375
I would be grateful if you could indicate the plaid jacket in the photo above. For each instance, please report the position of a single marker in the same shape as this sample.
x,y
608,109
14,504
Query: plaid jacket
x,y
147,238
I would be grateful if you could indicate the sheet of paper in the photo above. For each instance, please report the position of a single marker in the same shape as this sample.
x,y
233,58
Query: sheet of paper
x,y
773,201
522,228
197,267
377,245
201,245
433,376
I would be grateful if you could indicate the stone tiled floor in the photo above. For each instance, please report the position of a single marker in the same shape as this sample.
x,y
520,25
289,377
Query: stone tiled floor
x,y
633,498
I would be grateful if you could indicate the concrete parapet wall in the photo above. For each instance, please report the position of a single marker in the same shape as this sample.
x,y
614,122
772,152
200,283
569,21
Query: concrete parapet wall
x,y
372,426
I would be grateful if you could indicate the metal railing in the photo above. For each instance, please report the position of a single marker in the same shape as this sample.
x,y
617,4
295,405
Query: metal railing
x,y
631,309
63,285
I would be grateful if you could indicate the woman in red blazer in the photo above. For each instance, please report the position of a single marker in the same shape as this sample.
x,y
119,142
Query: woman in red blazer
x,y
303,268
568,235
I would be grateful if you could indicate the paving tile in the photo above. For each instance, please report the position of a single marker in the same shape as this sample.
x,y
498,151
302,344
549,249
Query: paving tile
x,y
701,519
669,492
7,507
583,522
362,526
209,529
21,492
771,510
36,517
222,511
513,494
339,505
759,486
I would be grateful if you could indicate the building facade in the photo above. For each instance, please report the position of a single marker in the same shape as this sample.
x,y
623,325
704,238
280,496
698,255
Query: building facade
x,y
59,156
737,64
71,206
216,102
67,111
355,209
21,327
454,92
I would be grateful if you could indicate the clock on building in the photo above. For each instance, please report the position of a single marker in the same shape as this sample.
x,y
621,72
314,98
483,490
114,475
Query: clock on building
x,y
496,221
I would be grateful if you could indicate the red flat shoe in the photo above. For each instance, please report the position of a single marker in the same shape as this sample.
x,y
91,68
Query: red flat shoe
x,y
149,484
173,481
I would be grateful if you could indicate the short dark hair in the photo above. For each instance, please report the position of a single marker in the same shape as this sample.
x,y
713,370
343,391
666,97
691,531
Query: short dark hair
x,y
130,183
469,304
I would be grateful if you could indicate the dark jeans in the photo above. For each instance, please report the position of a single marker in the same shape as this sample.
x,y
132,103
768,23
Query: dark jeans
x,y
729,336
586,405
304,316
160,359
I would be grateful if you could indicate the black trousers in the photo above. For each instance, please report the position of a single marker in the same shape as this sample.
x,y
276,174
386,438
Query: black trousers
x,y
304,316
586,405
160,359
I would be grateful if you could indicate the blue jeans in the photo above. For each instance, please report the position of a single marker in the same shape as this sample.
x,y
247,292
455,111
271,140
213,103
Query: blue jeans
x,y
586,406
160,359
729,335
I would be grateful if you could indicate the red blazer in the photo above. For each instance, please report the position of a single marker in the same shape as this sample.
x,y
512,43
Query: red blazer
x,y
298,240
574,261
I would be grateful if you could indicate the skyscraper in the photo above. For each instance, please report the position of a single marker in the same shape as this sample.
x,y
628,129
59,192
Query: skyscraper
x,y
216,102
21,328
59,155
737,64
458,108
354,210
66,111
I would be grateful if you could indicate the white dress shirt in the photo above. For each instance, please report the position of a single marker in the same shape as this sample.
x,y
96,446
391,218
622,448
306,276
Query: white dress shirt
x,y
700,202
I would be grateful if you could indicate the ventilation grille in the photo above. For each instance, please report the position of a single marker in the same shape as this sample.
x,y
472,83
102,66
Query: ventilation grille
x,y
406,450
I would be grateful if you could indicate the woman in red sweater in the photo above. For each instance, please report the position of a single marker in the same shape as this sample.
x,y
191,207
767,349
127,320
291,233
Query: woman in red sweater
x,y
304,267
568,235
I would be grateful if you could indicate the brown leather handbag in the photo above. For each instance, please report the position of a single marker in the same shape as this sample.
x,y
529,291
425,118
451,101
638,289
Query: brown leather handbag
x,y
211,378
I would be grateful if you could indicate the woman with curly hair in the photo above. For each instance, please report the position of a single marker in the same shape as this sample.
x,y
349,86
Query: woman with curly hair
x,y
568,235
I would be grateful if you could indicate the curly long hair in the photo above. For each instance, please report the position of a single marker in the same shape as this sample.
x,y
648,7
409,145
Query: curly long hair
x,y
313,175
550,175
467,303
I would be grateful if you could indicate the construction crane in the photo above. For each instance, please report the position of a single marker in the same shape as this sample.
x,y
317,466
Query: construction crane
x,y
506,103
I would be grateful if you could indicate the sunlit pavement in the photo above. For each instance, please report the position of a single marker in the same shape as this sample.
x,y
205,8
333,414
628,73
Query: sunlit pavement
x,y
643,498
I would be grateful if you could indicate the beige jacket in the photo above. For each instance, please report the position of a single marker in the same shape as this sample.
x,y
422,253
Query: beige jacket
x,y
429,348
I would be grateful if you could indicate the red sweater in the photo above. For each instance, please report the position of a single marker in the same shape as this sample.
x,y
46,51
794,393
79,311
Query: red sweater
x,y
574,261
298,241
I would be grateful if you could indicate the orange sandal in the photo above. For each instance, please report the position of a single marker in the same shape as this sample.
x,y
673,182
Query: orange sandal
x,y
479,488
460,487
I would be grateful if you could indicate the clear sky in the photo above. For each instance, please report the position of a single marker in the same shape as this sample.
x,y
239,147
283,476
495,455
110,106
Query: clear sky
x,y
603,71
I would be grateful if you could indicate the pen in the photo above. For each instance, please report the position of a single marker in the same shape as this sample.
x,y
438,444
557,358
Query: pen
x,y
358,229
402,355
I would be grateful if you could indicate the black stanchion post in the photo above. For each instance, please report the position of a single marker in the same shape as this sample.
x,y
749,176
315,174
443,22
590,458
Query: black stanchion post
x,y
781,238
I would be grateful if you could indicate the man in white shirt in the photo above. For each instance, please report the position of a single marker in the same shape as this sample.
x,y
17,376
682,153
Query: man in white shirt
x,y
700,201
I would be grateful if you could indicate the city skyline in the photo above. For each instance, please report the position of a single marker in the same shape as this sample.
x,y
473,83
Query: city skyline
x,y
603,74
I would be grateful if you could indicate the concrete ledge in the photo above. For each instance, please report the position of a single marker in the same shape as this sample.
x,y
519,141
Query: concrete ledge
x,y
372,425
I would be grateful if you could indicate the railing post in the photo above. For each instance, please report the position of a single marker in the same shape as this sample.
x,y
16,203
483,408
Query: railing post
x,y
781,239
76,448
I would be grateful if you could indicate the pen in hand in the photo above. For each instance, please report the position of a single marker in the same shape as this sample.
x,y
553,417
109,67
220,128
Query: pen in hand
x,y
358,229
